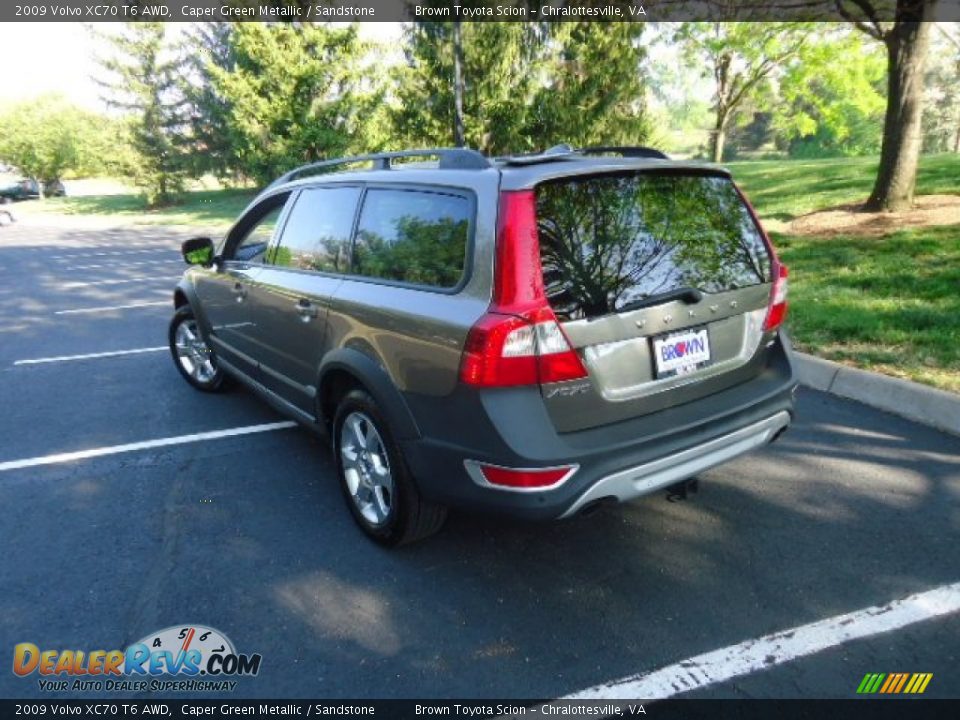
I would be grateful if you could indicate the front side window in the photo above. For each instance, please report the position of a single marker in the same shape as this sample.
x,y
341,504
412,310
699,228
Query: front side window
x,y
412,236
253,244
317,234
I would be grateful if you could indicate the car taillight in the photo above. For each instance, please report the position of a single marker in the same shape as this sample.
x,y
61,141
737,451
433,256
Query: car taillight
x,y
777,309
519,478
504,350
519,341
778,298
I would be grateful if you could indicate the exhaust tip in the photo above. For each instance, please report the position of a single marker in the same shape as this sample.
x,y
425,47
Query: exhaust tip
x,y
594,505
778,434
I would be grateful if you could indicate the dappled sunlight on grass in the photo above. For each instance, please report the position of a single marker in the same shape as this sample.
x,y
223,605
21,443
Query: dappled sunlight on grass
x,y
890,304
783,190
198,208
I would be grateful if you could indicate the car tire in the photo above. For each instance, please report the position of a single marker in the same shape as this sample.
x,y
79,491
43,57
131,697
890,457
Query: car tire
x,y
378,488
194,359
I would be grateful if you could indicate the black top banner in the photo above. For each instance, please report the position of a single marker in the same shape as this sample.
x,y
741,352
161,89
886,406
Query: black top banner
x,y
869,12
191,709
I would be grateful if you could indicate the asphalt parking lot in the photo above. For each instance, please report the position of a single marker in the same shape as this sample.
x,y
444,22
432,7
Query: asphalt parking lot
x,y
248,533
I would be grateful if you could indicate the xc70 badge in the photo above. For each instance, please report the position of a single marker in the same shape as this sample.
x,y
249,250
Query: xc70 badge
x,y
568,390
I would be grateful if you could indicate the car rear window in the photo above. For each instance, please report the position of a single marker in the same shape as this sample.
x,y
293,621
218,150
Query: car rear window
x,y
412,236
609,241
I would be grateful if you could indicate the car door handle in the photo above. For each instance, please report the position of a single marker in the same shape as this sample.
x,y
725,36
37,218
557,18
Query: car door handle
x,y
240,291
306,309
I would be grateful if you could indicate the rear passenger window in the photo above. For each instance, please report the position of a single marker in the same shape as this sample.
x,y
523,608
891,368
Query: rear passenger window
x,y
412,236
317,234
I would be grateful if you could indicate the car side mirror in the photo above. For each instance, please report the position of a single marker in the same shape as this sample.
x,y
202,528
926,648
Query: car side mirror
x,y
198,251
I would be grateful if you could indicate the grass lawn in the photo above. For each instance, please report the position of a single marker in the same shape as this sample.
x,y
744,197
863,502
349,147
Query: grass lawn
x,y
208,209
785,189
890,304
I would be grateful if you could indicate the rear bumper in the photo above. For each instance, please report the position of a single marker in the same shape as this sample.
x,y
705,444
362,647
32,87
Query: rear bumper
x,y
650,477
625,460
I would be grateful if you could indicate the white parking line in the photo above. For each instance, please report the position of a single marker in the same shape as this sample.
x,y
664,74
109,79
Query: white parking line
x,y
72,285
121,264
78,311
145,445
113,253
771,650
89,356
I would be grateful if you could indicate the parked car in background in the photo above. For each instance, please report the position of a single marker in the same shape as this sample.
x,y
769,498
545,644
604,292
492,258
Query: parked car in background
x,y
533,335
25,189
29,189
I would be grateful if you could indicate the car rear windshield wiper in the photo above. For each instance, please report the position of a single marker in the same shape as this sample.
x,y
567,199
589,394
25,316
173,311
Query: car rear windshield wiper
x,y
689,295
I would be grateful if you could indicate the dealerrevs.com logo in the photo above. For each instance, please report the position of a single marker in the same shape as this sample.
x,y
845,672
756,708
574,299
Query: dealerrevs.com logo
x,y
187,658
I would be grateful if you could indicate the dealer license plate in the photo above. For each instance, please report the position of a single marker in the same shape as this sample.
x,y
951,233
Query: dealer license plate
x,y
681,353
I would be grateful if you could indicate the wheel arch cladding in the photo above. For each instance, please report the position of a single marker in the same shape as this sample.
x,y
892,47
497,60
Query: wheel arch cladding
x,y
346,368
186,295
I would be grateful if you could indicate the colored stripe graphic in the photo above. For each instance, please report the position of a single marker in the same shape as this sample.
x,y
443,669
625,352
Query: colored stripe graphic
x,y
894,683
903,680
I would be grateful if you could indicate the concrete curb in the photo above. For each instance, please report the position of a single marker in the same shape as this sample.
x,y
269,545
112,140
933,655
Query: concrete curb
x,y
911,400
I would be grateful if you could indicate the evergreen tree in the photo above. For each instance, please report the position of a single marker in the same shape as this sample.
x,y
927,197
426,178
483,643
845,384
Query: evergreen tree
x,y
206,46
292,94
594,92
144,81
501,67
525,86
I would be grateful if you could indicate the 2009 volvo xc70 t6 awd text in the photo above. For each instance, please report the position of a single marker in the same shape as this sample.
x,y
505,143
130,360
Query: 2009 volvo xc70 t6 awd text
x,y
529,335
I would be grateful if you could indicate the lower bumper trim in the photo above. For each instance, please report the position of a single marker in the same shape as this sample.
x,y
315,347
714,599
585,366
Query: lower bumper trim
x,y
644,479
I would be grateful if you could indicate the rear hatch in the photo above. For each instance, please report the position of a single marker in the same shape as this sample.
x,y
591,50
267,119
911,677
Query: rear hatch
x,y
660,280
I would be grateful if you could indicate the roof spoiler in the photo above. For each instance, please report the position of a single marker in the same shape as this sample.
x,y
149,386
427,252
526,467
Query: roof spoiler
x,y
566,152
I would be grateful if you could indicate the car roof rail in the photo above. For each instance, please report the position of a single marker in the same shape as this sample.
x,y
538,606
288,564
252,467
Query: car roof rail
x,y
449,159
630,151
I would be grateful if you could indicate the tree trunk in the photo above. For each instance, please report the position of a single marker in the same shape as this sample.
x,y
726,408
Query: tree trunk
x,y
719,138
721,74
458,129
907,45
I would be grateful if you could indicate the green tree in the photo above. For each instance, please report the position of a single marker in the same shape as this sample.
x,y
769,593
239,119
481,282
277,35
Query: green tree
x,y
501,67
594,92
524,86
832,99
48,138
206,46
295,94
740,57
906,41
144,81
